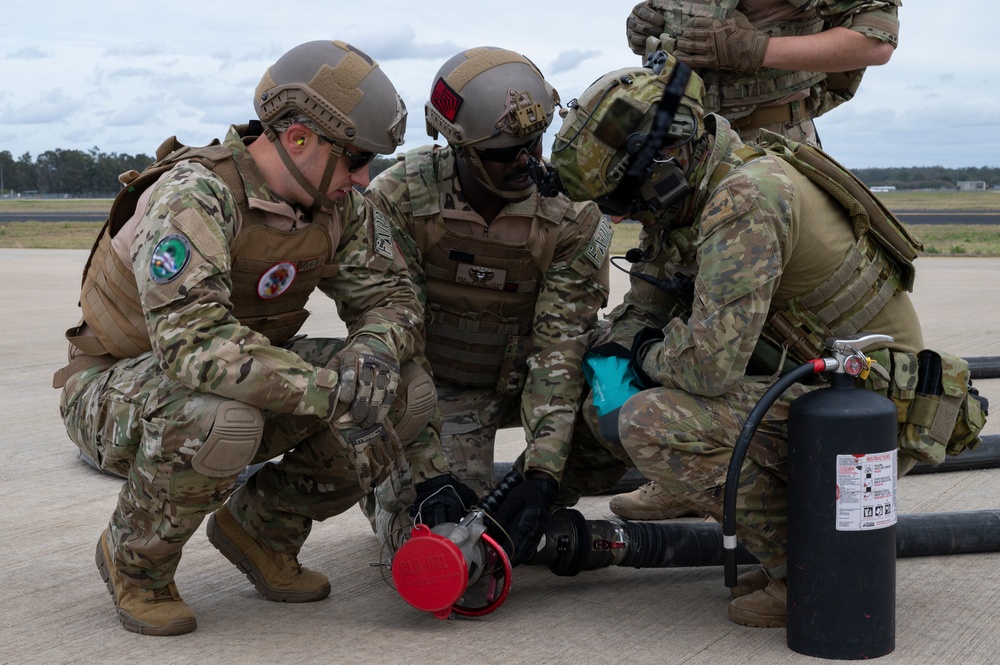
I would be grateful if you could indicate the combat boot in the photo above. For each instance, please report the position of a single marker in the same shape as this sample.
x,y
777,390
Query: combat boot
x,y
649,502
276,576
145,611
747,583
765,608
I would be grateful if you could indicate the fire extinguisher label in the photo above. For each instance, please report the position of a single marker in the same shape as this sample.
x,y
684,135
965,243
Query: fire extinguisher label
x,y
866,491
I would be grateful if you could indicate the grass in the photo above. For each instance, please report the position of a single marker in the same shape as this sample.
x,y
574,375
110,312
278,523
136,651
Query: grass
x,y
938,239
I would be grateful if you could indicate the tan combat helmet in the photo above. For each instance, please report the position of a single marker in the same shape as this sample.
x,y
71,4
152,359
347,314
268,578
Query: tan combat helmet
x,y
343,92
609,124
487,98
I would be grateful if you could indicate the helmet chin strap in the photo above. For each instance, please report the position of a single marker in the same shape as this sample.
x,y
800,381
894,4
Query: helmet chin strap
x,y
484,179
320,200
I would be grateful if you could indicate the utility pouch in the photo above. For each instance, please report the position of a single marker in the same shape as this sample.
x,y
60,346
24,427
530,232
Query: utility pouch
x,y
514,369
939,412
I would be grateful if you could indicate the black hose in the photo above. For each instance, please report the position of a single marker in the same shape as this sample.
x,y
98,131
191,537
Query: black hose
x,y
729,543
984,367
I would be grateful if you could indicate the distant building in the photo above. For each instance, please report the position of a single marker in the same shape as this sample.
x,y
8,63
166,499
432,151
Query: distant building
x,y
884,188
971,185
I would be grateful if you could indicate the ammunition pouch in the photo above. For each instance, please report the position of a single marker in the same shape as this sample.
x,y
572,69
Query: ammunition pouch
x,y
939,412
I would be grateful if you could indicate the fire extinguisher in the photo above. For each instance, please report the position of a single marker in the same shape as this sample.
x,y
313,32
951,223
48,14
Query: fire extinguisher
x,y
841,507
842,514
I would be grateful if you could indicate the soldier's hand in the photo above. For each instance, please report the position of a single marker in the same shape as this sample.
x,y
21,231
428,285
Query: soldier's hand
x,y
442,499
732,44
369,375
643,22
524,514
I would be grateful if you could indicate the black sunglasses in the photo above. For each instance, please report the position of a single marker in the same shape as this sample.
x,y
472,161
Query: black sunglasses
x,y
358,160
509,154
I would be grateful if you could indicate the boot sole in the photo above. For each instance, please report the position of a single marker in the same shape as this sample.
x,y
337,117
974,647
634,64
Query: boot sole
x,y
221,541
129,622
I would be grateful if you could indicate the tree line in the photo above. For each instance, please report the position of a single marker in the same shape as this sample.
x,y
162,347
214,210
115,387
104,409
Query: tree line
x,y
94,174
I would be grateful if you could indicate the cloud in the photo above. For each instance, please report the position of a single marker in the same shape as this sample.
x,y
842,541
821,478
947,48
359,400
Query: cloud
x,y
28,53
569,60
50,106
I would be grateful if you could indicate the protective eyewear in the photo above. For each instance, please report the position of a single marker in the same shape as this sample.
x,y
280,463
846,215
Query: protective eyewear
x,y
509,154
356,160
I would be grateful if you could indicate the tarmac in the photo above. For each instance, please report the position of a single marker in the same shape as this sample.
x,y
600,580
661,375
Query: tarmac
x,y
54,507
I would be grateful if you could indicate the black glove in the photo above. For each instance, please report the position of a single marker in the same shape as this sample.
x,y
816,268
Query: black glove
x,y
523,515
442,499
641,345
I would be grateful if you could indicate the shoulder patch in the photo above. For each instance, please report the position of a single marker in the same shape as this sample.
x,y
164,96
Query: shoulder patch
x,y
383,234
169,258
600,244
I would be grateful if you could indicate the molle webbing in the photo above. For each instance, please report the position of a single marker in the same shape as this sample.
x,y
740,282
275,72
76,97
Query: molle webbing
x,y
110,303
842,305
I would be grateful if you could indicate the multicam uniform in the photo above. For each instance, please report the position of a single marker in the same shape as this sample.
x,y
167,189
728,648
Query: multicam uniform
x,y
509,310
784,102
179,302
762,236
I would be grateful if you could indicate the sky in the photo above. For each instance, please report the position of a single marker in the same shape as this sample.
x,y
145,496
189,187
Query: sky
x,y
123,76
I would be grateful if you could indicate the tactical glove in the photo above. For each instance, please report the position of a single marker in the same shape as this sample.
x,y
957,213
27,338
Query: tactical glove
x,y
369,374
643,22
731,43
523,515
373,451
442,499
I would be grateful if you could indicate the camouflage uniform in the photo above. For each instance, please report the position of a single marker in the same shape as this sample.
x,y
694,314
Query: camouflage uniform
x,y
755,234
148,416
542,390
785,102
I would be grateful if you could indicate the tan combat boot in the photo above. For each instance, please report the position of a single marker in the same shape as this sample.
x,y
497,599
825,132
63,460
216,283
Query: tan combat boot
x,y
145,611
276,576
765,608
747,583
649,502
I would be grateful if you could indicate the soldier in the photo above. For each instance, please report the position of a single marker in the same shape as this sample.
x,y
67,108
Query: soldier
x,y
768,65
186,367
511,284
780,247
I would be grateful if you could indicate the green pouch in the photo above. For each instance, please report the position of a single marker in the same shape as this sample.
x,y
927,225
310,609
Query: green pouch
x,y
940,413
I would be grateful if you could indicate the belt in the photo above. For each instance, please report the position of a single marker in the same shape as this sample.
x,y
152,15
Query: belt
x,y
793,112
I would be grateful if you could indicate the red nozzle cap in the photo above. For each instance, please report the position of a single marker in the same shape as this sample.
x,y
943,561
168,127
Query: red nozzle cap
x,y
430,572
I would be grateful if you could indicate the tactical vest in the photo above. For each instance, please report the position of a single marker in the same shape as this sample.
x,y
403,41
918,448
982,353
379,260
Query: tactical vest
x,y
735,95
879,265
481,292
273,271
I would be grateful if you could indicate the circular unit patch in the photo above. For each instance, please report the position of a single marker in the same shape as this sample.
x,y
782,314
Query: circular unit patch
x,y
169,258
276,280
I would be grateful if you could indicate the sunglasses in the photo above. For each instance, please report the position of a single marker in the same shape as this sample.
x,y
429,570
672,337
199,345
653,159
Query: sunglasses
x,y
356,160
507,155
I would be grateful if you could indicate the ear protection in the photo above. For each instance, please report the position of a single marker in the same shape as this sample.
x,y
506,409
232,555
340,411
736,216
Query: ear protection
x,y
300,141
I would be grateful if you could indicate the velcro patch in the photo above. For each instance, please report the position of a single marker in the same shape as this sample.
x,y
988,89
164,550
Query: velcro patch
x,y
445,100
169,258
600,244
383,235
487,278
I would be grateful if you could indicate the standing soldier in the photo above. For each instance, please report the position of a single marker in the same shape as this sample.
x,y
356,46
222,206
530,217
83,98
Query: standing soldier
x,y
767,64
186,367
511,284
770,64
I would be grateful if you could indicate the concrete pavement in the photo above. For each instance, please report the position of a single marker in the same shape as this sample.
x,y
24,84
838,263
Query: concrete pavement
x,y
53,507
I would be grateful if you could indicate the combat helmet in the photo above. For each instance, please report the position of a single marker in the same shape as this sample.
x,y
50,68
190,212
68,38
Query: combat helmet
x,y
613,124
342,91
487,98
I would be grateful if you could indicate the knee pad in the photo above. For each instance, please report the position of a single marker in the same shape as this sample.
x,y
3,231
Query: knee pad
x,y
235,437
419,397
